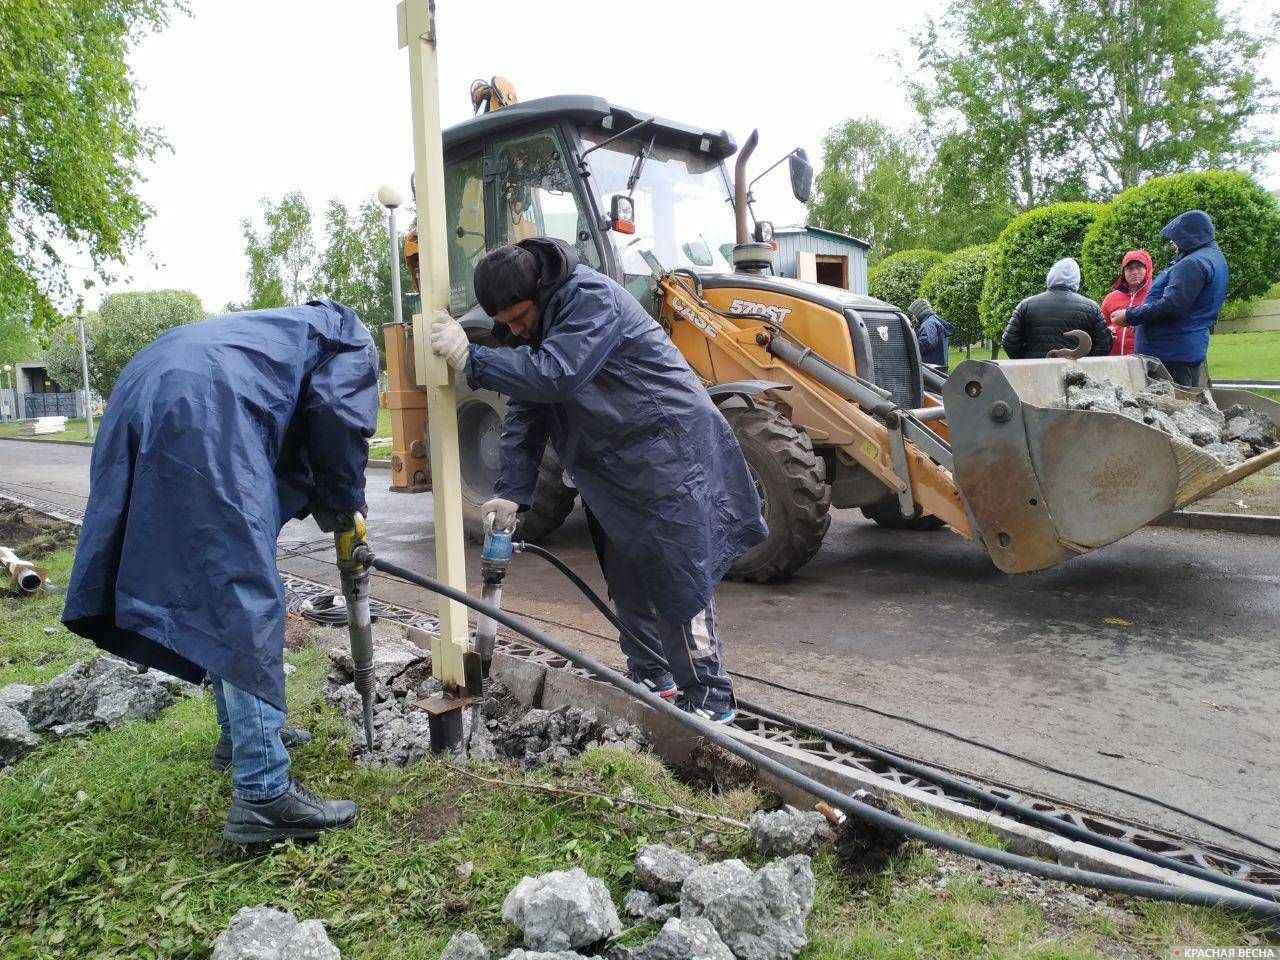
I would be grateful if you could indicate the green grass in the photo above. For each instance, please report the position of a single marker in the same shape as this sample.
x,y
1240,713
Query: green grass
x,y
77,429
1244,356
110,846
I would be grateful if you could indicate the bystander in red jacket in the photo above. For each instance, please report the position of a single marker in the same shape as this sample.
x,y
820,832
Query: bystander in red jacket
x,y
1129,290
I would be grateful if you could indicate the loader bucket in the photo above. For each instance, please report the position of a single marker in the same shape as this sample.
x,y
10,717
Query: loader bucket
x,y
1044,484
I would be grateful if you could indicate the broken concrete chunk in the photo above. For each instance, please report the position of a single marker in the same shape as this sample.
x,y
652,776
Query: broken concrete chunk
x,y
264,933
759,915
17,739
1160,388
662,870
1251,427
105,691
563,910
465,946
393,652
519,954
17,696
638,903
786,831
1191,422
1226,453
694,939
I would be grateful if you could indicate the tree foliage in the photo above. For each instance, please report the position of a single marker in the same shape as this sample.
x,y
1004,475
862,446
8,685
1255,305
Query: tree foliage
x,y
70,145
282,256
896,279
123,325
1076,99
1245,216
898,192
954,287
870,186
355,267
1024,252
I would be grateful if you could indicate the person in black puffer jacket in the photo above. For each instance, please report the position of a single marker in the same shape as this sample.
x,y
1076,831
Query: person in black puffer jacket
x,y
1040,323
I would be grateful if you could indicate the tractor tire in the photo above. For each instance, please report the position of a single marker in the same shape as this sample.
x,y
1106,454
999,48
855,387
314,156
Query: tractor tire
x,y
794,495
480,414
887,514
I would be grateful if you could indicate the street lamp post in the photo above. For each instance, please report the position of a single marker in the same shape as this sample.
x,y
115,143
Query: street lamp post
x,y
84,369
391,198
11,401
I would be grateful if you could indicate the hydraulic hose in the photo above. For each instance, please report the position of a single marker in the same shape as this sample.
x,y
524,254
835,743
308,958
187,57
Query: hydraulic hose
x,y
929,774
1254,906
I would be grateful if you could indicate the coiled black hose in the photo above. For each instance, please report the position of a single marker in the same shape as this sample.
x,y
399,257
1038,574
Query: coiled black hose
x,y
937,777
1254,906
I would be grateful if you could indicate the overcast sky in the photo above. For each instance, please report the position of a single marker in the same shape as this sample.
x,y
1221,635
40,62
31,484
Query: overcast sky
x,y
259,97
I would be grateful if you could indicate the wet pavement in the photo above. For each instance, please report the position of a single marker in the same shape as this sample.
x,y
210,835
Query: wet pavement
x,y
1152,664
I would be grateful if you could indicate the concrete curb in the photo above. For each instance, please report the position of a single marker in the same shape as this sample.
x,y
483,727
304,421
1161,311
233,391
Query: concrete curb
x,y
1226,522
72,443
380,464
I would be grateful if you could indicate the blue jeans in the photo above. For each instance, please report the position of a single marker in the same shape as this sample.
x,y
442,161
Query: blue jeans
x,y
692,654
259,761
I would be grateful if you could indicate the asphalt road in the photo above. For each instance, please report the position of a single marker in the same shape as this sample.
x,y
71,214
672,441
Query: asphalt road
x,y
1151,664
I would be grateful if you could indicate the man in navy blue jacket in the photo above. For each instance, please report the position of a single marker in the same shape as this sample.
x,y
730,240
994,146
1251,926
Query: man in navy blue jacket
x,y
217,434
669,498
1175,320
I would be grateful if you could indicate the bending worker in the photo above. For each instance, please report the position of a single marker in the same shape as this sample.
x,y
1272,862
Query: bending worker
x,y
669,499
216,435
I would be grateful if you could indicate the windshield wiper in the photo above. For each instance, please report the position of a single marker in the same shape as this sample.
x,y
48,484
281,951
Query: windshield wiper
x,y
582,157
638,165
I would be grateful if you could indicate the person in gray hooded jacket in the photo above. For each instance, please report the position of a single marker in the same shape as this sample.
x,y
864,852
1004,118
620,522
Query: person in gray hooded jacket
x,y
1040,323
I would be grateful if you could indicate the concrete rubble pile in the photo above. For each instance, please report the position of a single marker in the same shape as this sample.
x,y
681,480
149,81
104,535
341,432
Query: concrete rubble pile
x,y
264,933
714,911
507,730
1231,436
102,692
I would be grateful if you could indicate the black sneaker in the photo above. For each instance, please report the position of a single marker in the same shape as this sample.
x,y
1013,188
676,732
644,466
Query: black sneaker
x,y
290,736
724,716
297,813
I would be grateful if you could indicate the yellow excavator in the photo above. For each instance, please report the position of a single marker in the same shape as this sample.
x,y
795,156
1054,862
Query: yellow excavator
x,y
824,389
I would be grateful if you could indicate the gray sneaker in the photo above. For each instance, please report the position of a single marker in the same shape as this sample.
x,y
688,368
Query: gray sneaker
x,y
289,736
296,814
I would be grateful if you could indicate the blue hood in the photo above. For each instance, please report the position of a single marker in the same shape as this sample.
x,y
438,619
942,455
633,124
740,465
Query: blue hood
x,y
1190,231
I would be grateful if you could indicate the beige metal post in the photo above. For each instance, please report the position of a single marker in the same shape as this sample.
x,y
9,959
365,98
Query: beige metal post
x,y
417,31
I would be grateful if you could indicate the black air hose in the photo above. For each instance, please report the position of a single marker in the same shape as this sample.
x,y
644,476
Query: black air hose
x,y
939,778
1254,906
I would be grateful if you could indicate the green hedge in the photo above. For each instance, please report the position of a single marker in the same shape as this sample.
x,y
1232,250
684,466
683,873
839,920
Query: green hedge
x,y
954,287
1246,219
1024,252
896,279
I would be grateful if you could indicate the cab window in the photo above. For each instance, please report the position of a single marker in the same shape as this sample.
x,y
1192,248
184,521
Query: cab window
x,y
535,195
464,228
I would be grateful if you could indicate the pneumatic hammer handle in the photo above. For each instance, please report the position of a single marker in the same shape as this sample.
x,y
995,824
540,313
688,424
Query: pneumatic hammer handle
x,y
354,557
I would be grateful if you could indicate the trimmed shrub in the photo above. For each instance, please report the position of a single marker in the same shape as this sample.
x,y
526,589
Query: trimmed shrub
x,y
1246,219
1024,252
896,278
954,287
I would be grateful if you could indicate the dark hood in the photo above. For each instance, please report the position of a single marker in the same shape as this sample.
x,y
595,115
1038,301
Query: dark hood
x,y
556,263
1190,231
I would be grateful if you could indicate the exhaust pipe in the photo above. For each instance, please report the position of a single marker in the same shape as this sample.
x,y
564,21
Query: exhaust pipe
x,y
740,187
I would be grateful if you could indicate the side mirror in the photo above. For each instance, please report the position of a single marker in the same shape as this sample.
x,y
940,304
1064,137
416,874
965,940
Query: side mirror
x,y
801,175
622,214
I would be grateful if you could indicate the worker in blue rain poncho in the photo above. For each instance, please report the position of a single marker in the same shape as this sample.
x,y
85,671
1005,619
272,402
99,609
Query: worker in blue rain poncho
x,y
669,498
216,434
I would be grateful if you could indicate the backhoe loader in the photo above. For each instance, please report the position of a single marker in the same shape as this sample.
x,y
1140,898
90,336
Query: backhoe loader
x,y
824,389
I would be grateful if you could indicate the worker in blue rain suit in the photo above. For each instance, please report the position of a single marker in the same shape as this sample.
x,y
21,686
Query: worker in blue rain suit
x,y
669,499
216,434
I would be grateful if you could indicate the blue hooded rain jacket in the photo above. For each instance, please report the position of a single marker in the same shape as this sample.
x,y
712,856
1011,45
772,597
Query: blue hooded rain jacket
x,y
1175,320
217,434
654,460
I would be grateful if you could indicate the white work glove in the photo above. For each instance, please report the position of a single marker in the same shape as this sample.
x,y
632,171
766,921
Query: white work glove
x,y
504,513
449,340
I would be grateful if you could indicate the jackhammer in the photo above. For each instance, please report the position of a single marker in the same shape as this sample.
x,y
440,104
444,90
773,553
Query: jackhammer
x,y
495,556
354,558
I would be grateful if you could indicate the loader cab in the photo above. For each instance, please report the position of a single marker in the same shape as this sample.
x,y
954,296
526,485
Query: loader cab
x,y
552,167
